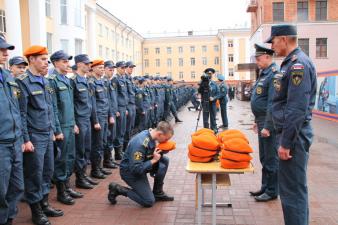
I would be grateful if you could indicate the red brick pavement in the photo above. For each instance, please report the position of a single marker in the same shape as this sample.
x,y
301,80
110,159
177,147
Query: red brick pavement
x,y
94,208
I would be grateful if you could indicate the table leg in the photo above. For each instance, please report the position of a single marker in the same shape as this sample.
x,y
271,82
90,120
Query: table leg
x,y
199,193
213,199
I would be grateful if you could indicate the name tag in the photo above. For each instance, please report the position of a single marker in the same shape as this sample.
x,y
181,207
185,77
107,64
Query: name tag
x,y
37,92
99,90
62,88
13,84
82,89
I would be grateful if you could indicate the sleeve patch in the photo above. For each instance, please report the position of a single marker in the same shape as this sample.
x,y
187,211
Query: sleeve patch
x,y
138,156
297,74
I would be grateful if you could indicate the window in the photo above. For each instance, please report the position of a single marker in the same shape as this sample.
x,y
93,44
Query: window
x,y
193,75
157,50
100,50
2,21
158,64
63,11
78,46
302,10
204,61
180,49
216,48
216,61
157,73
48,8
147,74
321,47
278,11
146,63
321,10
100,30
180,62
168,50
192,61
49,42
107,33
77,13
180,75
64,45
304,45
112,35
231,58
204,48
146,51
231,72
192,48
107,53
230,43
169,62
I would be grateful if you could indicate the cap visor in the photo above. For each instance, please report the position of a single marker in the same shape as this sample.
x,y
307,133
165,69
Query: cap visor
x,y
269,40
7,46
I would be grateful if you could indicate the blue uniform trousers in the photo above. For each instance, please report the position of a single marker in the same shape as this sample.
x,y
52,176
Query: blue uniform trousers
x,y
83,142
99,139
121,122
224,114
130,122
209,109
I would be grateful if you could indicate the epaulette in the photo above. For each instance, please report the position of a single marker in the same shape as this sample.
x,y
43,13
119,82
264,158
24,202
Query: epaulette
x,y
51,76
145,142
22,76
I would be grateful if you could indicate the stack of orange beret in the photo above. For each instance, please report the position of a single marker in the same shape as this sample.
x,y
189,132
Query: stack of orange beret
x,y
236,150
167,146
204,146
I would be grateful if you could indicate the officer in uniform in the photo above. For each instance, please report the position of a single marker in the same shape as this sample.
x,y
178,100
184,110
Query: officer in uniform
x,y
131,104
223,100
64,124
209,106
17,66
261,100
294,99
37,113
102,116
83,110
172,107
142,105
119,83
141,158
11,141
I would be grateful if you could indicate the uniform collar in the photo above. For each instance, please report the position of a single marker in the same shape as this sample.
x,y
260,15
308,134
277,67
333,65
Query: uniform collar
x,y
81,79
34,78
268,69
291,54
61,77
98,81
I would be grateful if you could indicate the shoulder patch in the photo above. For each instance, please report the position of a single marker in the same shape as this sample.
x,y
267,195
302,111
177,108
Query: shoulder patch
x,y
297,74
138,156
23,76
145,142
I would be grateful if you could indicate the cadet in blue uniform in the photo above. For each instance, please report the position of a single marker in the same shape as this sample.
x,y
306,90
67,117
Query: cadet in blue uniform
x,y
17,65
11,142
261,100
141,158
223,100
294,99
36,106
131,108
119,83
83,110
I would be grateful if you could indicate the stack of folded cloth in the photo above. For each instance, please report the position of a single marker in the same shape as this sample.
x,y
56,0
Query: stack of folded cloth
x,y
204,146
235,153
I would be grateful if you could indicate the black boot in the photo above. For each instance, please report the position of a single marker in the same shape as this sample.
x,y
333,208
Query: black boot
x,y
159,194
48,210
108,161
62,194
71,192
96,172
116,190
89,179
82,182
105,171
177,120
118,153
38,217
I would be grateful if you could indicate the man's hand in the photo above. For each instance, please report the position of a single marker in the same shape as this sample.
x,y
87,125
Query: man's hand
x,y
118,114
156,156
76,129
59,137
23,147
143,113
284,153
111,120
29,147
254,128
265,132
97,126
126,112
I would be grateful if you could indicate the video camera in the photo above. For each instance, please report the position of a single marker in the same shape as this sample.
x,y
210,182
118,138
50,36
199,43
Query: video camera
x,y
204,88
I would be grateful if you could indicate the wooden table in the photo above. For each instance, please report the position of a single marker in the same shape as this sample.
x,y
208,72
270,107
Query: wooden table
x,y
207,173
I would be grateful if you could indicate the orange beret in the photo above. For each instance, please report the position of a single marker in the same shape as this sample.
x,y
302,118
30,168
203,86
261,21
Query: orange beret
x,y
237,145
199,159
202,131
200,152
229,164
206,141
235,156
35,50
97,62
167,146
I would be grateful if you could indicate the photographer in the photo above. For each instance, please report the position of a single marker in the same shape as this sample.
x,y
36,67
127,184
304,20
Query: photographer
x,y
208,90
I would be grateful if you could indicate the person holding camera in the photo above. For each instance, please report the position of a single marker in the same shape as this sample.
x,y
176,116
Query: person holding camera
x,y
209,91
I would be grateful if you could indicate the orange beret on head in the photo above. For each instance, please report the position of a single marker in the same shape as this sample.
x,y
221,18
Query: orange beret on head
x,y
97,62
229,164
35,50
167,146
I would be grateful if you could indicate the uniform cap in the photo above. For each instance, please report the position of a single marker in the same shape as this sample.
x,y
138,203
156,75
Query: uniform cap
x,y
282,30
59,55
17,60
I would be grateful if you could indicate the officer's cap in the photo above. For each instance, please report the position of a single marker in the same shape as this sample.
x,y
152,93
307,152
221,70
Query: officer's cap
x,y
141,80
97,62
169,79
282,30
130,64
261,50
220,77
121,64
82,58
146,76
59,55
151,78
35,50
210,71
4,44
109,64
17,60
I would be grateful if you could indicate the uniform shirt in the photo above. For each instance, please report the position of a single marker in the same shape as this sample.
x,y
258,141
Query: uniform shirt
x,y
121,91
101,103
130,89
10,120
112,95
36,104
222,94
262,94
294,99
139,152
